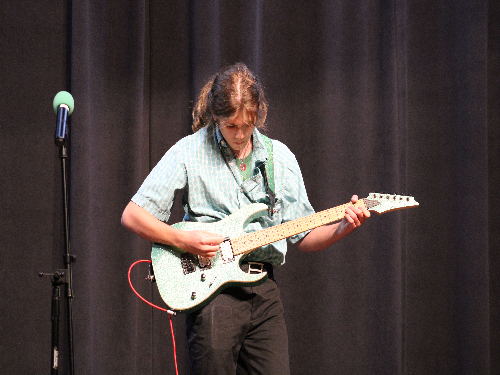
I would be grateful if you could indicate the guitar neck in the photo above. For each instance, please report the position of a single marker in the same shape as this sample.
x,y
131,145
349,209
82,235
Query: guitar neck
x,y
251,241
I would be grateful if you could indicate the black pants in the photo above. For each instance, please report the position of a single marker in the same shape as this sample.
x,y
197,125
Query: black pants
x,y
242,331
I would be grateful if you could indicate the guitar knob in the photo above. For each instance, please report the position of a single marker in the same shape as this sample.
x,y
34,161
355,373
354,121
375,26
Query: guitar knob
x,y
193,295
203,277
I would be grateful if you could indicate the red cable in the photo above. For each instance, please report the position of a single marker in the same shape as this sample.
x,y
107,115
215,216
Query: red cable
x,y
138,295
173,342
170,313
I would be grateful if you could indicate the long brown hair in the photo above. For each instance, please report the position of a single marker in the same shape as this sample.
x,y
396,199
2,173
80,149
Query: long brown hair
x,y
233,90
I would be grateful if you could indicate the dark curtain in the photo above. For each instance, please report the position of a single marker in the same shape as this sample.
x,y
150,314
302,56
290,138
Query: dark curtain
x,y
389,96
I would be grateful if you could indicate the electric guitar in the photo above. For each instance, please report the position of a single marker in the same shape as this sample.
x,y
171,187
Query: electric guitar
x,y
187,282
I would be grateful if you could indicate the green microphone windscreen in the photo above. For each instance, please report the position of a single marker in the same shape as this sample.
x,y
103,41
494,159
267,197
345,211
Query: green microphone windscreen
x,y
64,97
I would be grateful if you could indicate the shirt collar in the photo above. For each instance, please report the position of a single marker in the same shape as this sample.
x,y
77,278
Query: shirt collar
x,y
259,149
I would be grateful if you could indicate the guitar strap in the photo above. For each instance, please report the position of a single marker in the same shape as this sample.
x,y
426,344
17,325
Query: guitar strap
x,y
267,170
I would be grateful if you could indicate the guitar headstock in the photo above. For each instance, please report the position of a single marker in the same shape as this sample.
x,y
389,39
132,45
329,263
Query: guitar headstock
x,y
382,203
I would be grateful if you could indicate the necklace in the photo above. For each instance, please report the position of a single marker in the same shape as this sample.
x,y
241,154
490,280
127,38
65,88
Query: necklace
x,y
243,162
244,159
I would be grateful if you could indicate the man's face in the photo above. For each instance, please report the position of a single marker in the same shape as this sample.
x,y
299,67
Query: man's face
x,y
236,133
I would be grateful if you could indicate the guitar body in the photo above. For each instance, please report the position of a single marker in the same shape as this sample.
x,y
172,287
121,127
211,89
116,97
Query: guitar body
x,y
187,282
184,283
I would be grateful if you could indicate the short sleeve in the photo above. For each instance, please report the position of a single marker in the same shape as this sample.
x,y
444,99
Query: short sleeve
x,y
156,194
295,200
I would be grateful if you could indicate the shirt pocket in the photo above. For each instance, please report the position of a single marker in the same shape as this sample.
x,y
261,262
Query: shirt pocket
x,y
256,192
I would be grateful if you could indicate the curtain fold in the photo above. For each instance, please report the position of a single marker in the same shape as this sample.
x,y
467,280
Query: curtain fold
x,y
110,157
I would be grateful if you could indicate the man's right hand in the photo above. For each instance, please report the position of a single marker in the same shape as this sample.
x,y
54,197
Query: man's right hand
x,y
200,242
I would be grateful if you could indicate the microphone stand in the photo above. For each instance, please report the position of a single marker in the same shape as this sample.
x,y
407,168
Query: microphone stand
x,y
62,277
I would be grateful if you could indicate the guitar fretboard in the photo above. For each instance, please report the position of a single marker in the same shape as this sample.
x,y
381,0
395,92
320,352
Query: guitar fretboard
x,y
252,241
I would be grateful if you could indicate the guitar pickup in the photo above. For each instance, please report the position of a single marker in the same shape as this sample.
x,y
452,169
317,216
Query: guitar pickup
x,y
205,263
226,251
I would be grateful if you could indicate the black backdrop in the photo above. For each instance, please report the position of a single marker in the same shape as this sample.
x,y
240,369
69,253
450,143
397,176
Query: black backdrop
x,y
371,95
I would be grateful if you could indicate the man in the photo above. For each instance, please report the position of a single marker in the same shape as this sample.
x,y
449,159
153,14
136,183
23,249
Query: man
x,y
219,167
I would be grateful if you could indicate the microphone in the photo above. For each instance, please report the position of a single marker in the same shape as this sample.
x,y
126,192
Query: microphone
x,y
63,107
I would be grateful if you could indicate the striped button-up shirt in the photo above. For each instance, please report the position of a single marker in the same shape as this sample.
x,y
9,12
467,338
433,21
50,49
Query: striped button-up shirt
x,y
203,165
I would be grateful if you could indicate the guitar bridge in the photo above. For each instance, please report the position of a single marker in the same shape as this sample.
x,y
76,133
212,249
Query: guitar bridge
x,y
226,251
187,261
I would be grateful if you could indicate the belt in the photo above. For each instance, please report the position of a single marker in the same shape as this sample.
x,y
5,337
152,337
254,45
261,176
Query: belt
x,y
258,267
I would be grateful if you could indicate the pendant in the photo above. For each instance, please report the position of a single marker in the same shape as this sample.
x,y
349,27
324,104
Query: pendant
x,y
243,167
